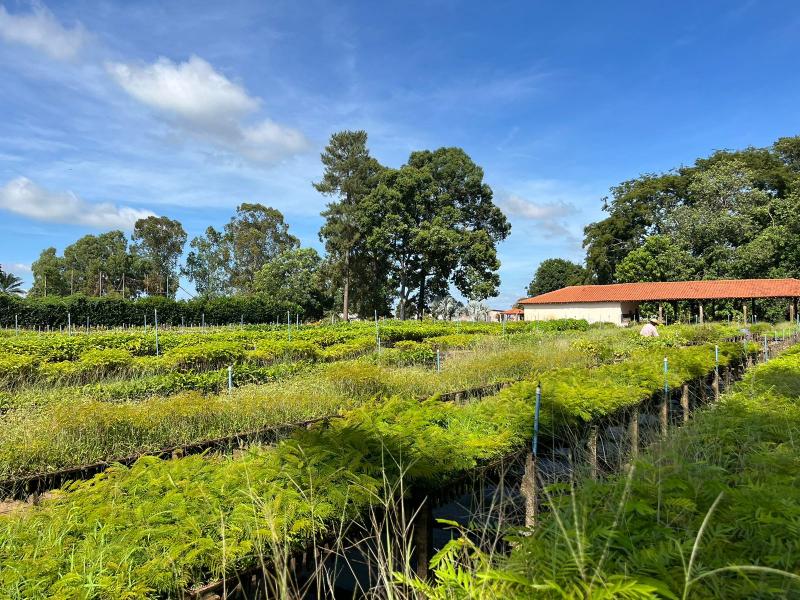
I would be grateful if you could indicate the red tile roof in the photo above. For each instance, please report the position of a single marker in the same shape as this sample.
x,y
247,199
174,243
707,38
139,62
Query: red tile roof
x,y
513,311
677,290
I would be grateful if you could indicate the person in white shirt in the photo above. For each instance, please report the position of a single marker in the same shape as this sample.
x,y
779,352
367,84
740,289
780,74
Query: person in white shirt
x,y
649,329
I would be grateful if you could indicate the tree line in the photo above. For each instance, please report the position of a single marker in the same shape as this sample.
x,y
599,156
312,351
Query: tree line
x,y
732,215
396,240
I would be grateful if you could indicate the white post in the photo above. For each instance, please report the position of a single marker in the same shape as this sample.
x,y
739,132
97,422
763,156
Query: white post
x,y
69,324
230,379
155,320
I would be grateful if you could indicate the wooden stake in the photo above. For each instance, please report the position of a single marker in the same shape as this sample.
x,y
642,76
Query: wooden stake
x,y
664,415
715,385
633,432
685,402
529,491
423,539
592,447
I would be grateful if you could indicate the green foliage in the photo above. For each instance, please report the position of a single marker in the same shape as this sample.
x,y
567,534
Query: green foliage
x,y
294,277
735,213
713,512
554,274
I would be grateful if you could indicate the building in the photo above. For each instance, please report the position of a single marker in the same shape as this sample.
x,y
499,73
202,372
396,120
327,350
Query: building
x,y
513,314
619,302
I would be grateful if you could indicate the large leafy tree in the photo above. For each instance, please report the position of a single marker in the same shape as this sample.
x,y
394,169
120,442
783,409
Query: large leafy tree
x,y
554,274
350,175
255,235
435,222
295,277
735,213
48,275
10,284
660,258
208,264
160,241
102,265
221,262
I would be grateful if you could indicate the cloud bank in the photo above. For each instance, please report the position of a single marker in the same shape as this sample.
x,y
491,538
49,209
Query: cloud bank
x,y
41,30
196,99
23,197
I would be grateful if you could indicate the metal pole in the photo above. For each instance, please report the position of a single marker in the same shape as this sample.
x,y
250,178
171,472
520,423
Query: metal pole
x,y
69,324
155,320
16,324
289,325
230,379
377,333
438,362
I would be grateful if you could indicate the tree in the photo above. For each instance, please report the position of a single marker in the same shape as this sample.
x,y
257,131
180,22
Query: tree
x,y
350,174
294,277
554,274
208,264
735,212
221,262
434,221
659,259
98,265
10,284
255,236
160,241
446,307
48,275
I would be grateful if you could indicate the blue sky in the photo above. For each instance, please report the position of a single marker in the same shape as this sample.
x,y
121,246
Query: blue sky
x,y
110,111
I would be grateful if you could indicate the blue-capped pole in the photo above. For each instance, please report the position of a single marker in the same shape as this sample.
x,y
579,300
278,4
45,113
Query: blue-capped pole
x,y
535,445
666,382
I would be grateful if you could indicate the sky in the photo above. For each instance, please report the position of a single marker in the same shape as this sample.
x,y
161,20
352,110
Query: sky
x,y
110,111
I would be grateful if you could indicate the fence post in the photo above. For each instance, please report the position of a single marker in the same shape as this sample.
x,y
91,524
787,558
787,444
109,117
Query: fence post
x,y
377,333
289,325
592,447
69,324
16,324
438,361
155,322
715,382
230,378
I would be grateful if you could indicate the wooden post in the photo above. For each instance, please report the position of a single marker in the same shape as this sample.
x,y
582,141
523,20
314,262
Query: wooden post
x,y
715,385
423,534
663,416
529,491
633,432
592,447
700,310
685,402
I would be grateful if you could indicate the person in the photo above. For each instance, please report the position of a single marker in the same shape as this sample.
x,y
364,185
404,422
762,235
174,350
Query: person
x,y
649,329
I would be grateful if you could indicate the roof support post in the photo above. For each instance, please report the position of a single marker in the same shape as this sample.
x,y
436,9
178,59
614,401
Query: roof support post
x,y
792,309
700,308
661,312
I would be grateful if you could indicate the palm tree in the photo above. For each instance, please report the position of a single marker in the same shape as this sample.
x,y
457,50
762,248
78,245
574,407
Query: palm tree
x,y
10,284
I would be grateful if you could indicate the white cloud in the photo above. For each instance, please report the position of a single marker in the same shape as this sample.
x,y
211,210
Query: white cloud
x,y
538,211
198,100
41,30
23,197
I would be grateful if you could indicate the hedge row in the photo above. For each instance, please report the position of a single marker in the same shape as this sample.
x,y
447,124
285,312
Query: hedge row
x,y
116,312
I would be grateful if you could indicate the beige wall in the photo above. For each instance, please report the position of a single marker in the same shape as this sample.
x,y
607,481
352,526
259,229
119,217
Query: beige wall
x,y
607,312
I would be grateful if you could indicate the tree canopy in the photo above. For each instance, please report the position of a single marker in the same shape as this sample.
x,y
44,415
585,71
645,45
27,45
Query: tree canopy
x,y
554,274
736,214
